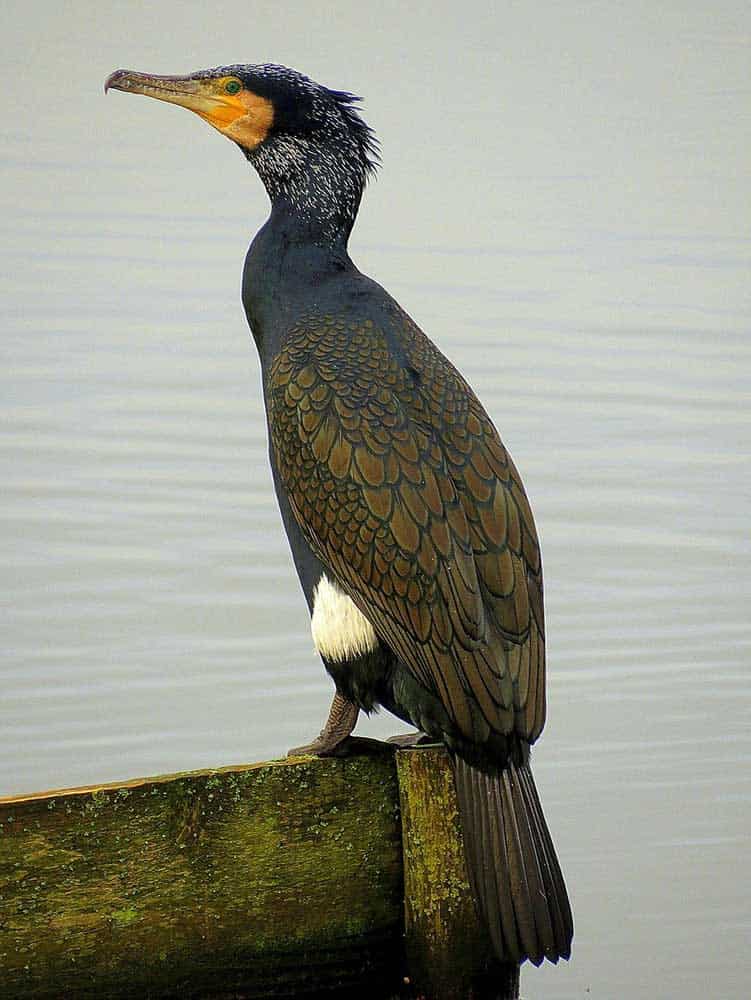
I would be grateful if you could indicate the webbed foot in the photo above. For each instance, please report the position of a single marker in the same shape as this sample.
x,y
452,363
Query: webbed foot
x,y
406,741
350,746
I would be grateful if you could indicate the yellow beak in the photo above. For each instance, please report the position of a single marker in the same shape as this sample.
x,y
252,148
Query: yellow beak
x,y
204,95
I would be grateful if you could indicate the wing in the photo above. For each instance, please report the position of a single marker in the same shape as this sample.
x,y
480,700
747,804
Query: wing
x,y
402,487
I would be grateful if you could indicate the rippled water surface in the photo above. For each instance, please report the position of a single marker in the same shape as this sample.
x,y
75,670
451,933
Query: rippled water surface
x,y
564,207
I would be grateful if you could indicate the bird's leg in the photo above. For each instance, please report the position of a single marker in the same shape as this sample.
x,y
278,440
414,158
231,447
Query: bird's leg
x,y
340,723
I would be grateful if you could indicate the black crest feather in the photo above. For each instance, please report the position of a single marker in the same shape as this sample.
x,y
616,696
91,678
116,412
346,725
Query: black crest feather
x,y
365,135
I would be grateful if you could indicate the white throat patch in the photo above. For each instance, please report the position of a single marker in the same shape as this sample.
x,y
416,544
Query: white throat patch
x,y
340,630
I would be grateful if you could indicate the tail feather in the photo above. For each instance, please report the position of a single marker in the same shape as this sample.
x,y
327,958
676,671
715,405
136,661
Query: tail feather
x,y
513,869
555,887
521,883
550,910
528,837
499,849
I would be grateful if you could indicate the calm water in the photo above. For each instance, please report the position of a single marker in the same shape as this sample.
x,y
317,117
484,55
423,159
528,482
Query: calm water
x,y
564,207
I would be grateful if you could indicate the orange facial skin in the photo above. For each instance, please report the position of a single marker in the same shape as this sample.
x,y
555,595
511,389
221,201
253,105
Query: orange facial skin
x,y
224,102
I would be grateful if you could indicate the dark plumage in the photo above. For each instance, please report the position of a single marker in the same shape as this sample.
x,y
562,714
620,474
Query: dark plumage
x,y
408,522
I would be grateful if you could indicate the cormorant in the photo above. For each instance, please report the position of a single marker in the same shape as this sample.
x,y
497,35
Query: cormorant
x,y
408,523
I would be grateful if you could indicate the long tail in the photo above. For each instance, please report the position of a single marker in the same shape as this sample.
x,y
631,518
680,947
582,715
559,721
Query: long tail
x,y
513,869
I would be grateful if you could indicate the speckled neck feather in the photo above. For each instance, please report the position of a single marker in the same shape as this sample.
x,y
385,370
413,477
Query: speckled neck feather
x,y
313,182
317,176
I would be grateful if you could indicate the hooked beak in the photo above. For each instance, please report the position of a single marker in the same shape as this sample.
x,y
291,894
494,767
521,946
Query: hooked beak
x,y
221,100
201,95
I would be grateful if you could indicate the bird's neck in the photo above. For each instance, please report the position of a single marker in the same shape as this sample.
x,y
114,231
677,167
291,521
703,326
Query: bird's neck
x,y
298,230
315,190
292,266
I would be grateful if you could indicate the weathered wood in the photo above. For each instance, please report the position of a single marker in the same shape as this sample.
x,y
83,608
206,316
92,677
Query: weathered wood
x,y
448,951
281,879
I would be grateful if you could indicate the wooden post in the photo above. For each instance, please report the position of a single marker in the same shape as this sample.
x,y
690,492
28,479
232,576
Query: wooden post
x,y
449,955
290,878
279,879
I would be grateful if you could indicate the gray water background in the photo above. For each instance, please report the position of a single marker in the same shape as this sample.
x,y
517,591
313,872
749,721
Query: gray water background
x,y
564,207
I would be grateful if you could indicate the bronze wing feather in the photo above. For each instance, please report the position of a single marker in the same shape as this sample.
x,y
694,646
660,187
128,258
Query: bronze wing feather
x,y
403,489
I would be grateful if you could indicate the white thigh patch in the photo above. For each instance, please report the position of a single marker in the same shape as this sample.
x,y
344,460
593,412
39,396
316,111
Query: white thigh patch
x,y
340,630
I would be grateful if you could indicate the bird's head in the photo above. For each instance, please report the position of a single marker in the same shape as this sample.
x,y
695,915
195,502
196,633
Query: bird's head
x,y
288,126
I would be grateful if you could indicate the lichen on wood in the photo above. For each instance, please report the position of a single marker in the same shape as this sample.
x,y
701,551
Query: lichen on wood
x,y
284,879
448,950
270,880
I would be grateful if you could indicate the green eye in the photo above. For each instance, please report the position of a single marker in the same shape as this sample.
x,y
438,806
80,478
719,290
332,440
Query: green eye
x,y
233,87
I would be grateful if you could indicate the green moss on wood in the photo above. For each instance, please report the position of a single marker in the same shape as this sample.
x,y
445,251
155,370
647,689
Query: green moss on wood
x,y
248,877
448,950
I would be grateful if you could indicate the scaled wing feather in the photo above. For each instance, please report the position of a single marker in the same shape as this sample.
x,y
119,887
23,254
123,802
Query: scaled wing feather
x,y
402,487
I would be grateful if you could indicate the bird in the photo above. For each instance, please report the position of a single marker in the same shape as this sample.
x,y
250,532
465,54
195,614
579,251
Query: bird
x,y
408,523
